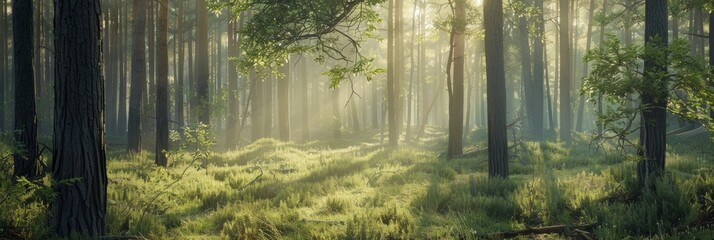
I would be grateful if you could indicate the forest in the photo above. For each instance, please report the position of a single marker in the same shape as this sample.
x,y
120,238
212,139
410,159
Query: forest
x,y
356,119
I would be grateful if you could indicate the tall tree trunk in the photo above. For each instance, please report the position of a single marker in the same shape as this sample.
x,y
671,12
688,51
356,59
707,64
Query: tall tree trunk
x,y
399,64
3,62
711,53
233,96
122,70
581,102
336,117
202,74
565,72
496,77
456,87
654,114
284,102
162,84
256,106
391,79
303,99
181,32
268,106
411,73
527,76
151,38
79,140
25,112
538,77
600,103
138,76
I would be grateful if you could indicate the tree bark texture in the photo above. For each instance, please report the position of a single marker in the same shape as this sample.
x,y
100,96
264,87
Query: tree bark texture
x,y
456,96
202,71
162,84
654,113
496,85
138,76
565,72
79,137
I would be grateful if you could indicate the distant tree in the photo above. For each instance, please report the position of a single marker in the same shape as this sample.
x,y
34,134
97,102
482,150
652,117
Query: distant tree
x,y
202,70
391,78
79,138
25,112
539,78
233,92
496,85
138,76
181,43
565,72
284,103
162,84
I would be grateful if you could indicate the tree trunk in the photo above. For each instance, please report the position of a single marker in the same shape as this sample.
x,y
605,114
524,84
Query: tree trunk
x,y
25,112
284,102
391,80
565,72
654,114
711,53
527,76
456,93
256,106
79,140
138,76
151,45
162,85
202,74
181,32
496,77
336,117
303,99
581,102
268,106
538,77
233,96
3,62
122,71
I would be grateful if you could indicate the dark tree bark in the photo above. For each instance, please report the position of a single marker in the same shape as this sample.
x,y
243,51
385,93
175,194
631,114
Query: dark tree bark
x,y
711,53
3,62
178,95
122,70
202,71
538,77
654,114
456,86
25,112
565,72
138,76
162,84
527,76
79,138
496,85
284,102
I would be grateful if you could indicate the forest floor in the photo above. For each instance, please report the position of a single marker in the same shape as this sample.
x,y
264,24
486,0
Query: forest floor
x,y
355,188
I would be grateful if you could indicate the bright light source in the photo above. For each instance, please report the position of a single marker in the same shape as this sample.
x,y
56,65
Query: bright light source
x,y
478,2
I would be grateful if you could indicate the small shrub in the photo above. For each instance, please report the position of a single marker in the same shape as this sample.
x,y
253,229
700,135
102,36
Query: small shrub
x,y
336,205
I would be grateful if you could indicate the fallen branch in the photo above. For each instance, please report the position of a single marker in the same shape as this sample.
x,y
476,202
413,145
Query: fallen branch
x,y
254,179
583,231
331,222
379,174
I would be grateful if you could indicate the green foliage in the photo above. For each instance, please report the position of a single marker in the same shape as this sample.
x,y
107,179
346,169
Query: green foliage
x,y
618,75
328,29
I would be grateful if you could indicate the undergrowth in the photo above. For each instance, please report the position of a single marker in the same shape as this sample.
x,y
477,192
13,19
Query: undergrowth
x,y
325,190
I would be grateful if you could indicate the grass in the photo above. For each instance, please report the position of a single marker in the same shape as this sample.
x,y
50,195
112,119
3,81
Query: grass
x,y
356,189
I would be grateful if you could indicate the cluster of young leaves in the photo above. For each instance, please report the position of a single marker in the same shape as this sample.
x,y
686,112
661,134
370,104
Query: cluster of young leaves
x,y
618,76
329,30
